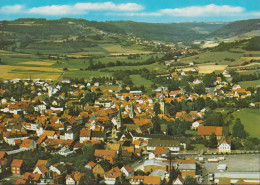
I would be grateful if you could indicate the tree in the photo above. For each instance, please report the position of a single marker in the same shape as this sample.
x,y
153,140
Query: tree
x,y
213,143
88,151
156,124
157,109
199,104
210,103
188,180
214,119
209,80
199,89
238,129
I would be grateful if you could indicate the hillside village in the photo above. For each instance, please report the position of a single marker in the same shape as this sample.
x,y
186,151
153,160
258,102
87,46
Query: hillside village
x,y
86,132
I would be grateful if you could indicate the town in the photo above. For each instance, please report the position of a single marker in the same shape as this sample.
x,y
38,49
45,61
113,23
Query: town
x,y
99,131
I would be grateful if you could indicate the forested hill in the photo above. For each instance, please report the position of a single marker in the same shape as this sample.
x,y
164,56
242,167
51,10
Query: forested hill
x,y
237,28
172,32
169,32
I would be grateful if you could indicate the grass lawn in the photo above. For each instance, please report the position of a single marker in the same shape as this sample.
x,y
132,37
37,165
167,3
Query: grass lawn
x,y
198,146
250,118
138,80
245,84
213,57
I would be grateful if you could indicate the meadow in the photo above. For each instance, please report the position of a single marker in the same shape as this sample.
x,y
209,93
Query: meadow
x,y
246,84
138,80
250,118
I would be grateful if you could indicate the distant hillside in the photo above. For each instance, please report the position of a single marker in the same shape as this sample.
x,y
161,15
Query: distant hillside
x,y
252,44
173,32
237,28
30,29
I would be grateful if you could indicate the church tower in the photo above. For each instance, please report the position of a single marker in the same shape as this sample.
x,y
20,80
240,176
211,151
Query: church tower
x,y
114,133
132,111
162,106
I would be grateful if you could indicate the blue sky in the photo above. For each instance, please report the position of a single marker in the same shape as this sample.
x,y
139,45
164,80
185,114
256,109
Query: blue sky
x,y
135,10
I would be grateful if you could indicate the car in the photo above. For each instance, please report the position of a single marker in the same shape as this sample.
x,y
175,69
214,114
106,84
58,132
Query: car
x,y
211,177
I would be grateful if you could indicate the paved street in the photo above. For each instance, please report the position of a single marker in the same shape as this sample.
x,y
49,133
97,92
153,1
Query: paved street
x,y
236,163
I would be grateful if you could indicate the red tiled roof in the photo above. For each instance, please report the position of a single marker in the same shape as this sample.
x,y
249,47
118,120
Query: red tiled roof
x,y
34,176
113,173
17,163
152,180
208,130
160,150
41,162
2,154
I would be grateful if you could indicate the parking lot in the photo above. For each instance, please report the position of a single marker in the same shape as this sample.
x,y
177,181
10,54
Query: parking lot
x,y
236,163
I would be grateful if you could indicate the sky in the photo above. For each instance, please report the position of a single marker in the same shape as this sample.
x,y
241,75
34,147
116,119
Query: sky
x,y
161,11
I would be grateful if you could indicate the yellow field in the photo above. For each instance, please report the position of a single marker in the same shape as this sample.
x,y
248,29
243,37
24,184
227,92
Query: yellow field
x,y
210,68
39,63
209,45
250,58
23,72
186,69
119,50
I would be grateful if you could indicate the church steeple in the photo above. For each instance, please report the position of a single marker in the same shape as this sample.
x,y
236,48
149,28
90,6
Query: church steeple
x,y
162,106
132,112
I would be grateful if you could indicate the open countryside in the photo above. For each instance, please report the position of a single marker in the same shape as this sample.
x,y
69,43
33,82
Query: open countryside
x,y
132,93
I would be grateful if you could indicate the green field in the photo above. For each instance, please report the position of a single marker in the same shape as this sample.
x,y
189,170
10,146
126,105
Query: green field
x,y
138,80
250,118
246,84
215,57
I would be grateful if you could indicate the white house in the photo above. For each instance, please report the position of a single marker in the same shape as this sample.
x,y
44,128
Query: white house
x,y
127,170
224,147
69,135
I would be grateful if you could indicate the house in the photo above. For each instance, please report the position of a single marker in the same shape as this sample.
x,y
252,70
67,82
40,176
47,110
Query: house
x,y
110,155
17,166
101,168
65,151
31,178
224,147
161,152
73,178
97,135
178,181
187,167
57,169
84,135
127,170
90,165
41,168
28,144
173,145
112,175
206,131
136,180
152,180
50,134
3,161
69,135
152,165
125,155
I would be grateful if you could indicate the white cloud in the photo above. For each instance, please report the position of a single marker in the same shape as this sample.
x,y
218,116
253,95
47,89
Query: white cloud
x,y
109,6
208,10
11,9
81,8
53,10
